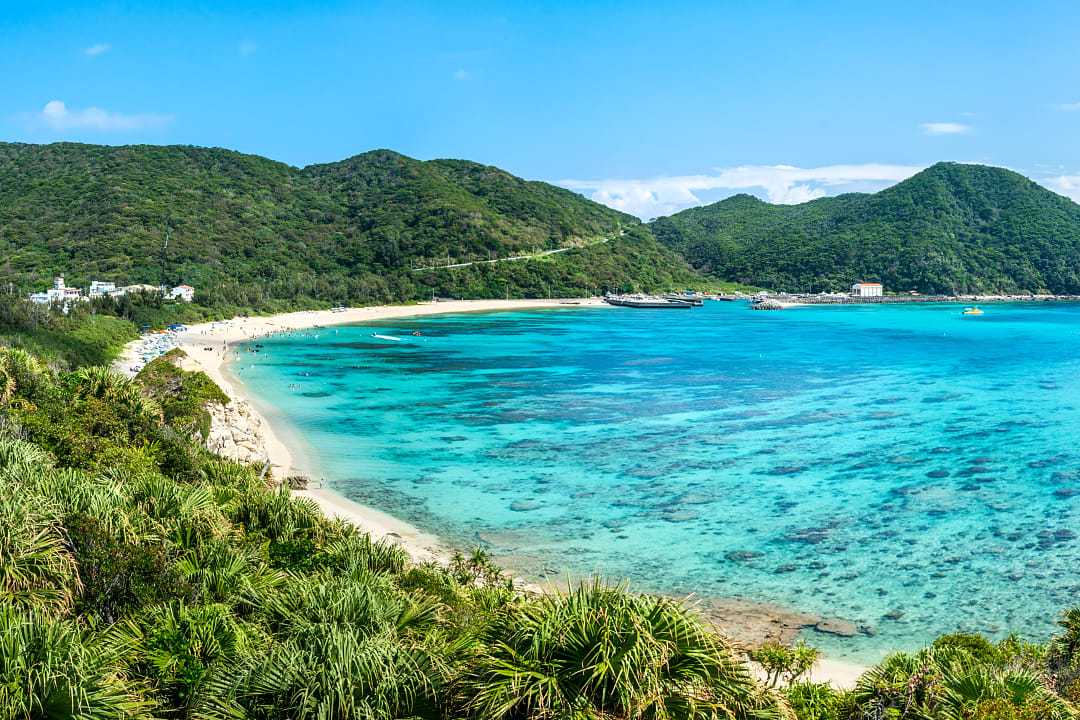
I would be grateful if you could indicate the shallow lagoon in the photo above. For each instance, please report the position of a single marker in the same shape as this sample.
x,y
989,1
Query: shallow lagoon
x,y
905,468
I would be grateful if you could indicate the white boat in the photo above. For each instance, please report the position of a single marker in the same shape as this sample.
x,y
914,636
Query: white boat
x,y
645,301
385,337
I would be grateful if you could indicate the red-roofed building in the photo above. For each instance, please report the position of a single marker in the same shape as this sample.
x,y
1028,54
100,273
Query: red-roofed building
x,y
867,289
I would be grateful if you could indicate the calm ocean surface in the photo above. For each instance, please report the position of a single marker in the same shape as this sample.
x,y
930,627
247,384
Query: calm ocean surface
x,y
905,468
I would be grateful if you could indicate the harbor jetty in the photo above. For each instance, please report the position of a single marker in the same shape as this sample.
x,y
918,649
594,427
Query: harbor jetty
x,y
777,301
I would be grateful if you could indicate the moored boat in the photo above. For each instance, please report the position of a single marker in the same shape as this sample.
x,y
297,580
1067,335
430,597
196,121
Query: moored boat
x,y
646,301
693,298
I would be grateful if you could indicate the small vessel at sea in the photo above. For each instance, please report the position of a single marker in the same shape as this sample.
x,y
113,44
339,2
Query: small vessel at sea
x,y
385,337
647,301
973,310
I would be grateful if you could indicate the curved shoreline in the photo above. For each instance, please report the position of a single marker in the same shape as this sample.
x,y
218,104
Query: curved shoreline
x,y
208,349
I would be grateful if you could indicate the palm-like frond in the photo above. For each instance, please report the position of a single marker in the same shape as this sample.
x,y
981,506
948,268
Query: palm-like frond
x,y
366,602
20,374
49,669
334,673
356,550
36,567
603,652
103,383
186,514
220,574
951,684
276,514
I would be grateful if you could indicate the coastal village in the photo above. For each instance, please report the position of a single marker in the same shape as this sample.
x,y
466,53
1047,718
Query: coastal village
x,y
61,294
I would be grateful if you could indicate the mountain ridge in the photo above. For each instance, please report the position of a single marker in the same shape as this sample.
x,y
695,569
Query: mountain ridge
x,y
250,231
952,228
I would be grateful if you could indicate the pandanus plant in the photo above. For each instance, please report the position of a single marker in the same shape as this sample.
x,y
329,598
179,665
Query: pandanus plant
x,y
50,668
347,645
20,374
951,684
36,566
599,652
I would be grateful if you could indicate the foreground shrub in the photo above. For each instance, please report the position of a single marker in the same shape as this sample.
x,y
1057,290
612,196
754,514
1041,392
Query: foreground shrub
x,y
949,683
600,652
818,701
50,669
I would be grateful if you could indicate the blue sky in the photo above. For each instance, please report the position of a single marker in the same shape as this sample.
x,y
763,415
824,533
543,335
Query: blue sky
x,y
647,106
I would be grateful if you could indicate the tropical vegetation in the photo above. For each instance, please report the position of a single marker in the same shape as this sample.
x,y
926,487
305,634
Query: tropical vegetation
x,y
72,339
142,576
951,229
251,234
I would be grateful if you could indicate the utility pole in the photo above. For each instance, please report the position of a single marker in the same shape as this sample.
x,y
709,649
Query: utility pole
x,y
164,256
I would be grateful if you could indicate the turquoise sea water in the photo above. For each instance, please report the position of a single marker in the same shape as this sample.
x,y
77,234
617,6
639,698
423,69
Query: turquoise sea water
x,y
905,468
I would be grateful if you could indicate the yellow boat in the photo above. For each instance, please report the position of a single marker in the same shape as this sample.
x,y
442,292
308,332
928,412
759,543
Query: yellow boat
x,y
972,311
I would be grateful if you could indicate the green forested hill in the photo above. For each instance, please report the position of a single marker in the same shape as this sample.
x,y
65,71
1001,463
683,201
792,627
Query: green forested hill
x,y
952,228
248,231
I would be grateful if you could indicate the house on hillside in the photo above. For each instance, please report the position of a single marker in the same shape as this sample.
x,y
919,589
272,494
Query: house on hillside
x,y
100,288
867,289
184,293
58,294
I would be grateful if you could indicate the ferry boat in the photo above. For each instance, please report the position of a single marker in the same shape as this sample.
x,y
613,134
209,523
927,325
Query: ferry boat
x,y
647,301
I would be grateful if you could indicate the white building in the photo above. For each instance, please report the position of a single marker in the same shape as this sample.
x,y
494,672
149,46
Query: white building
x,y
100,288
184,293
867,289
58,294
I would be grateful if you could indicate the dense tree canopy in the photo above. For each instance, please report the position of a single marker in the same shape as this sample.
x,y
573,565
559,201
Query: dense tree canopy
x,y
249,232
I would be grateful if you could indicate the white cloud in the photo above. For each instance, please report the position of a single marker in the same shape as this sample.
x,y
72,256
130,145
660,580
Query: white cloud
x,y
1069,107
461,75
945,128
777,183
1067,185
99,49
247,47
60,117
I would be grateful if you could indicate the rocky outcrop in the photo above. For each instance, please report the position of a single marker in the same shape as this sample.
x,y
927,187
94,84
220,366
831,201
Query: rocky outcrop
x,y
836,626
236,432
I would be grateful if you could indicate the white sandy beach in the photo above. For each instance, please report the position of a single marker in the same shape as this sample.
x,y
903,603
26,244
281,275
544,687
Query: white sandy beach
x,y
207,346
